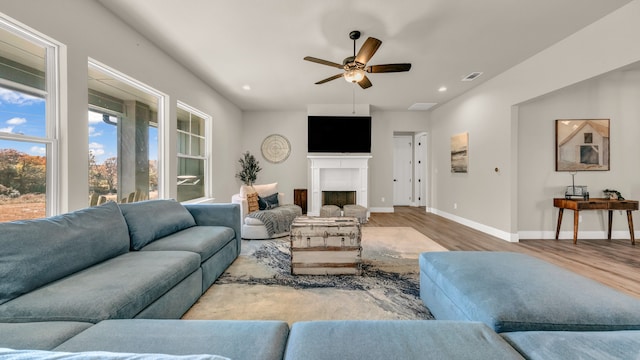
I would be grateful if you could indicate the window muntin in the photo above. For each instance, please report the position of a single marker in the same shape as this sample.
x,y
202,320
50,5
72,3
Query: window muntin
x,y
193,160
28,123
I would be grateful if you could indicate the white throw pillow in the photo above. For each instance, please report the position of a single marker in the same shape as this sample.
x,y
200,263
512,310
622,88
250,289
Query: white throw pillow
x,y
262,190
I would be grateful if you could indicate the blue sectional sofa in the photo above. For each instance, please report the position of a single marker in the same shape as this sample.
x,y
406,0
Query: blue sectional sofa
x,y
151,259
542,310
112,281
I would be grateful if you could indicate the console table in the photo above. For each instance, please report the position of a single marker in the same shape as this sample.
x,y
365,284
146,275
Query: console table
x,y
595,204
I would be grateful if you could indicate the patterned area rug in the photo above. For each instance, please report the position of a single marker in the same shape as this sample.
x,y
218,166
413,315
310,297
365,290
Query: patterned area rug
x,y
259,285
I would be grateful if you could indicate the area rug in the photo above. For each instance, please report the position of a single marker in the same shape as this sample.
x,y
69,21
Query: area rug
x,y
259,285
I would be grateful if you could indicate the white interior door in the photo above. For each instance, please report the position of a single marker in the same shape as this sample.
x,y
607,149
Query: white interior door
x,y
402,170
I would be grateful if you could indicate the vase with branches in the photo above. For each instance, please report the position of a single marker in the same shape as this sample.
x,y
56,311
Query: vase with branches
x,y
250,168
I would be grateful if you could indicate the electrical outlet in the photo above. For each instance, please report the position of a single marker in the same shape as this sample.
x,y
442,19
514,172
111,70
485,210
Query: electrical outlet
x,y
382,199
580,218
455,205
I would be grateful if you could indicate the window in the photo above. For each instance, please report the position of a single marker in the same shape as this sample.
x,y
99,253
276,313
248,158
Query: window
x,y
193,160
28,123
123,138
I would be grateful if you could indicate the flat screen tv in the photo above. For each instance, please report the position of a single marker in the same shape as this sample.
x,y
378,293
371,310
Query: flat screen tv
x,y
339,134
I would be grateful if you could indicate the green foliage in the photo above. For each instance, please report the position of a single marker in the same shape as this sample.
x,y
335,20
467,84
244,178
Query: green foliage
x,y
250,169
22,173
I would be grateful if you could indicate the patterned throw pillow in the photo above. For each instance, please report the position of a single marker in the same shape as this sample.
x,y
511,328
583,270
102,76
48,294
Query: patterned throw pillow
x,y
252,202
268,202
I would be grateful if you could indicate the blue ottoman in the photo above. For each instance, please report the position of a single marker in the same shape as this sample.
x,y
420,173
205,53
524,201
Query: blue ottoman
x,y
516,292
582,345
395,339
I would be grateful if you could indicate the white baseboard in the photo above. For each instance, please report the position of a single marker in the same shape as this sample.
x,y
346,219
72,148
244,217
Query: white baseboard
x,y
381,209
477,226
582,235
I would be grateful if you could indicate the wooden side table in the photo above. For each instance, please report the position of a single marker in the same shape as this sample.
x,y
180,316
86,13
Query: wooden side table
x,y
595,204
300,199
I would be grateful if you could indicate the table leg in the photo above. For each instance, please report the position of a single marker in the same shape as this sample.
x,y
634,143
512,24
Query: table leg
x,y
610,223
631,232
559,222
576,219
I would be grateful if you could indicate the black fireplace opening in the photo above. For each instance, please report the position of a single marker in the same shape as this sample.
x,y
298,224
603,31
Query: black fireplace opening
x,y
339,198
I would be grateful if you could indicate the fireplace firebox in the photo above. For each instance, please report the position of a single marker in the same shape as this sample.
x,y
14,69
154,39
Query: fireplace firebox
x,y
339,198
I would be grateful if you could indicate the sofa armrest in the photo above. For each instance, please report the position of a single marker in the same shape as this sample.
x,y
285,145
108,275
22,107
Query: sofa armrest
x,y
242,201
223,214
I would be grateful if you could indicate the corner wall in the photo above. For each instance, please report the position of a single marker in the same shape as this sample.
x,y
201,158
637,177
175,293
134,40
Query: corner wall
x,y
88,30
488,200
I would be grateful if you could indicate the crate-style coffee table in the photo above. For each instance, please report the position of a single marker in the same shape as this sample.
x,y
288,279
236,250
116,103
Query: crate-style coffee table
x,y
325,246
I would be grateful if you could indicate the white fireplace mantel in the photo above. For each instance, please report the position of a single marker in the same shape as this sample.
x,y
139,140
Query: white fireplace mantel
x,y
338,173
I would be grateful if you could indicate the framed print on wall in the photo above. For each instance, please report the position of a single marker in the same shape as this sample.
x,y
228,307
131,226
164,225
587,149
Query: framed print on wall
x,y
582,145
460,153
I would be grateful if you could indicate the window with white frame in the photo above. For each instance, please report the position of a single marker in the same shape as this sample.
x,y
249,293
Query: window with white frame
x,y
28,123
124,155
193,158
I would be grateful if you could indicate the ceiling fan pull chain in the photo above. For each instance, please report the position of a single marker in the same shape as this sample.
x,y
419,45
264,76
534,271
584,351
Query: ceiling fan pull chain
x,y
354,99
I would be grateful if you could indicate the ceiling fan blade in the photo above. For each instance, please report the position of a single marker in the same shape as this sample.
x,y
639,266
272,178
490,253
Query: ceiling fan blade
x,y
324,62
388,68
367,50
329,79
365,83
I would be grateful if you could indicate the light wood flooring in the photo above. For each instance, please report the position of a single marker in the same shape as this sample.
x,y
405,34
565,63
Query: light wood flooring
x,y
612,262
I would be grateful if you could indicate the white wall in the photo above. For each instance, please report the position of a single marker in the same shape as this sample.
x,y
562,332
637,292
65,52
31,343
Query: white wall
x,y
289,174
612,96
293,173
90,31
488,200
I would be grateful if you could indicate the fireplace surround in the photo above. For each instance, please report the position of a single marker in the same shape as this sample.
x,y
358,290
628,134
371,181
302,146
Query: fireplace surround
x,y
340,173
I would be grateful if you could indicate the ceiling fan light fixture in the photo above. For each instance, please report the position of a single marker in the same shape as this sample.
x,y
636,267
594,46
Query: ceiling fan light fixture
x,y
354,75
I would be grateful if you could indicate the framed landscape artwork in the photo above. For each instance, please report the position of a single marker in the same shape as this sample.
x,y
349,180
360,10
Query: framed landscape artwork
x,y
460,153
582,145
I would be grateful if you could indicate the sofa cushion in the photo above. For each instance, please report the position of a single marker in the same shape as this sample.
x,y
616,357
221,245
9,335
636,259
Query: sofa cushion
x,y
153,219
58,246
264,340
517,292
39,335
584,345
203,240
395,339
118,288
97,355
268,202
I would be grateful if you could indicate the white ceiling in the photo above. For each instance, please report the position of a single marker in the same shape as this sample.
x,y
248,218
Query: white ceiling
x,y
262,43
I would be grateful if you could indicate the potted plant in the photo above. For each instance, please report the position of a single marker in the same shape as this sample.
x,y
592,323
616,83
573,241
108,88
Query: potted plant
x,y
250,169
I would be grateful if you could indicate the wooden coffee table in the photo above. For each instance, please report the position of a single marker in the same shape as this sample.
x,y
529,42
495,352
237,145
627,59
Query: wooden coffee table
x,y
325,246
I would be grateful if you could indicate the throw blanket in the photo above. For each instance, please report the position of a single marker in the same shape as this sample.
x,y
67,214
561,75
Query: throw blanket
x,y
277,220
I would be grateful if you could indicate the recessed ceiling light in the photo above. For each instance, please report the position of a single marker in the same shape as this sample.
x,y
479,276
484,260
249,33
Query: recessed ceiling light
x,y
422,106
246,87
442,89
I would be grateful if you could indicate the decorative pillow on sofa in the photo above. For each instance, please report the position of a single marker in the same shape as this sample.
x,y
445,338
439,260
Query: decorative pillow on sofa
x,y
252,202
36,252
153,219
268,202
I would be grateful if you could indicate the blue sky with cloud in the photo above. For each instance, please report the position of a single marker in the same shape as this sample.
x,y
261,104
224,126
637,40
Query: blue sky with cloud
x,y
25,114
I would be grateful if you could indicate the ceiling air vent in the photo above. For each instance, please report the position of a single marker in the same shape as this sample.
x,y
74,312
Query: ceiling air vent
x,y
472,76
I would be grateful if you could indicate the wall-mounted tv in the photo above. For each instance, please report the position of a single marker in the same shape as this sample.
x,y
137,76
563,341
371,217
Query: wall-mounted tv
x,y
339,134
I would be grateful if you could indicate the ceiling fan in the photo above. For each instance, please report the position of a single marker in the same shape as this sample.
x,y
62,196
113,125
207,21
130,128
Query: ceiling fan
x,y
355,67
